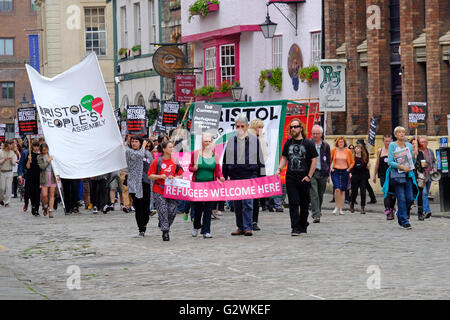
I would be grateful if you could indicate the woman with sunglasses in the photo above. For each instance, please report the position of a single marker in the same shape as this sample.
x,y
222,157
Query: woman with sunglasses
x,y
341,164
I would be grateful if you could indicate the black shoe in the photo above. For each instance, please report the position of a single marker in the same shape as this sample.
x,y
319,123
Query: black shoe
x,y
271,210
2,203
428,215
75,210
373,201
165,236
279,210
264,208
421,217
316,220
407,226
332,200
256,228
295,233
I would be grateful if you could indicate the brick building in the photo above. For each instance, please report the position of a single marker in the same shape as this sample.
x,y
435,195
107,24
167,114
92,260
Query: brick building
x,y
397,52
17,20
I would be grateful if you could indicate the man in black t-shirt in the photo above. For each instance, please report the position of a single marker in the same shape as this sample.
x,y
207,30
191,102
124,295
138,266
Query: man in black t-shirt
x,y
301,156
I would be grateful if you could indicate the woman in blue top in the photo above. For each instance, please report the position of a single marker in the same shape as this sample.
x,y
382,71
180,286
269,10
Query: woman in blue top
x,y
400,182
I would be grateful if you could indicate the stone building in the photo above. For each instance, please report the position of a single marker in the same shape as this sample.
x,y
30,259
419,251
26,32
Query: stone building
x,y
397,52
18,20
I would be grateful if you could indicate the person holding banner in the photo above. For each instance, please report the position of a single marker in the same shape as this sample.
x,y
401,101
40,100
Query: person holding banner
x,y
243,159
301,156
341,164
162,168
400,175
8,159
32,180
47,180
206,167
139,191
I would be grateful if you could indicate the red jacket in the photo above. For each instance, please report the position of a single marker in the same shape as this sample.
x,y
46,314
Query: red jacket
x,y
217,170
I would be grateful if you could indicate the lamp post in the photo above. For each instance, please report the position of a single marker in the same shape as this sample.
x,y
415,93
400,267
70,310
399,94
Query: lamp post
x,y
236,91
154,102
24,103
268,27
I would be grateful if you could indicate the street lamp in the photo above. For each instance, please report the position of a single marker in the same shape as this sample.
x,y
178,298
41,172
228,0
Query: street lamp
x,y
268,27
154,102
24,103
236,91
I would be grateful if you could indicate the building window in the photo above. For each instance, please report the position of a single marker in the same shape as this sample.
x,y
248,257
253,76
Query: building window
x,y
277,50
95,30
6,5
316,48
210,66
7,90
123,27
227,66
33,5
152,23
6,47
137,23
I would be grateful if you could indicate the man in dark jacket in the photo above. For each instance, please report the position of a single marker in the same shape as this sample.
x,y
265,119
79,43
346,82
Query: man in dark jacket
x,y
243,159
321,174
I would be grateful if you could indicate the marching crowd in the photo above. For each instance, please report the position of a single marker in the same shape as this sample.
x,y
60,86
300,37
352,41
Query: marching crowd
x,y
26,172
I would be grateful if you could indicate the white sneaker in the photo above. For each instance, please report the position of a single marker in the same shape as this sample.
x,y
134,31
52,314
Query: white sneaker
x,y
194,232
207,235
341,212
335,211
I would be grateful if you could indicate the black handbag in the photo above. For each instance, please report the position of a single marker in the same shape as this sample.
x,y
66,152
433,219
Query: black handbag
x,y
125,181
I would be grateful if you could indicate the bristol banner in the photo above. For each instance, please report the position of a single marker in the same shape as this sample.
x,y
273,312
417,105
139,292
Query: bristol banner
x,y
78,121
220,191
272,114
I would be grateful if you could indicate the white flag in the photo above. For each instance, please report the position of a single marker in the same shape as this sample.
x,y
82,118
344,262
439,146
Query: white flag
x,y
78,121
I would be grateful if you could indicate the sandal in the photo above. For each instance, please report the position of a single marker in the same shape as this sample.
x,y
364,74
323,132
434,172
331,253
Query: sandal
x,y
50,213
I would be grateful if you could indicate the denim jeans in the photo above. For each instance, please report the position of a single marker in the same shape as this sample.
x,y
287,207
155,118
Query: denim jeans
x,y
274,203
426,191
404,194
243,210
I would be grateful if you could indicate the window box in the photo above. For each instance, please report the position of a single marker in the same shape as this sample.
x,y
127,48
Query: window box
x,y
203,8
216,95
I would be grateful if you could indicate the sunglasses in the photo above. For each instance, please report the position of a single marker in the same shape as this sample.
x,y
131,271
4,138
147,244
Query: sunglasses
x,y
240,127
295,127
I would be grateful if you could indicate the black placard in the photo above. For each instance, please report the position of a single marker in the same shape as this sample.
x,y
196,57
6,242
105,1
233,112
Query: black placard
x,y
136,120
27,120
170,113
372,131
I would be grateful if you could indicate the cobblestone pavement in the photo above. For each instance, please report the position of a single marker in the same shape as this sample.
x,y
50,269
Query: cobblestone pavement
x,y
338,258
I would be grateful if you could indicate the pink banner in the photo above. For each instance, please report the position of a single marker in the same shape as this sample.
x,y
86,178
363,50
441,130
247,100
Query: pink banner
x,y
217,191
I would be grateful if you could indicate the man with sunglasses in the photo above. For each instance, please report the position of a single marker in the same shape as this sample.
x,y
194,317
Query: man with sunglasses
x,y
243,159
301,156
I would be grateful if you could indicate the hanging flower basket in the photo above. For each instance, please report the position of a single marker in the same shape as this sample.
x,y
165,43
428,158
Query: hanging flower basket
x,y
203,7
306,74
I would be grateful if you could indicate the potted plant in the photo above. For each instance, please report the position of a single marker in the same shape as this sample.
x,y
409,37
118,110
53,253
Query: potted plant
x,y
308,74
206,91
273,76
202,7
136,50
123,53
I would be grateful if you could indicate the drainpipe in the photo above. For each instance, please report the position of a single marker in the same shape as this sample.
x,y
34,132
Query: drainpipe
x,y
116,86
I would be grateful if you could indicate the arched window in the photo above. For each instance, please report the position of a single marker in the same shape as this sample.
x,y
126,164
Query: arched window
x,y
139,100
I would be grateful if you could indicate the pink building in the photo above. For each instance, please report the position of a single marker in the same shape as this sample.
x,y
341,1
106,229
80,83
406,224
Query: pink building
x,y
229,45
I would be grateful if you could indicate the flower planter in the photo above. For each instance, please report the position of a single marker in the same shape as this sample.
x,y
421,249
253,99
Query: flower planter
x,y
123,56
315,75
216,95
213,7
136,53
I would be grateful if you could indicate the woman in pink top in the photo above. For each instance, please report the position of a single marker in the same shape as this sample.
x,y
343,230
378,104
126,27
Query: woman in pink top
x,y
341,164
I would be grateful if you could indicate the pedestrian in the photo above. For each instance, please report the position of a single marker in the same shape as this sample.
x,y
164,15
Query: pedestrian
x,y
301,156
341,164
400,176
321,173
15,183
47,180
380,169
113,185
32,179
8,160
359,173
162,168
421,177
70,194
373,198
429,164
139,192
243,159
256,128
205,167
22,173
